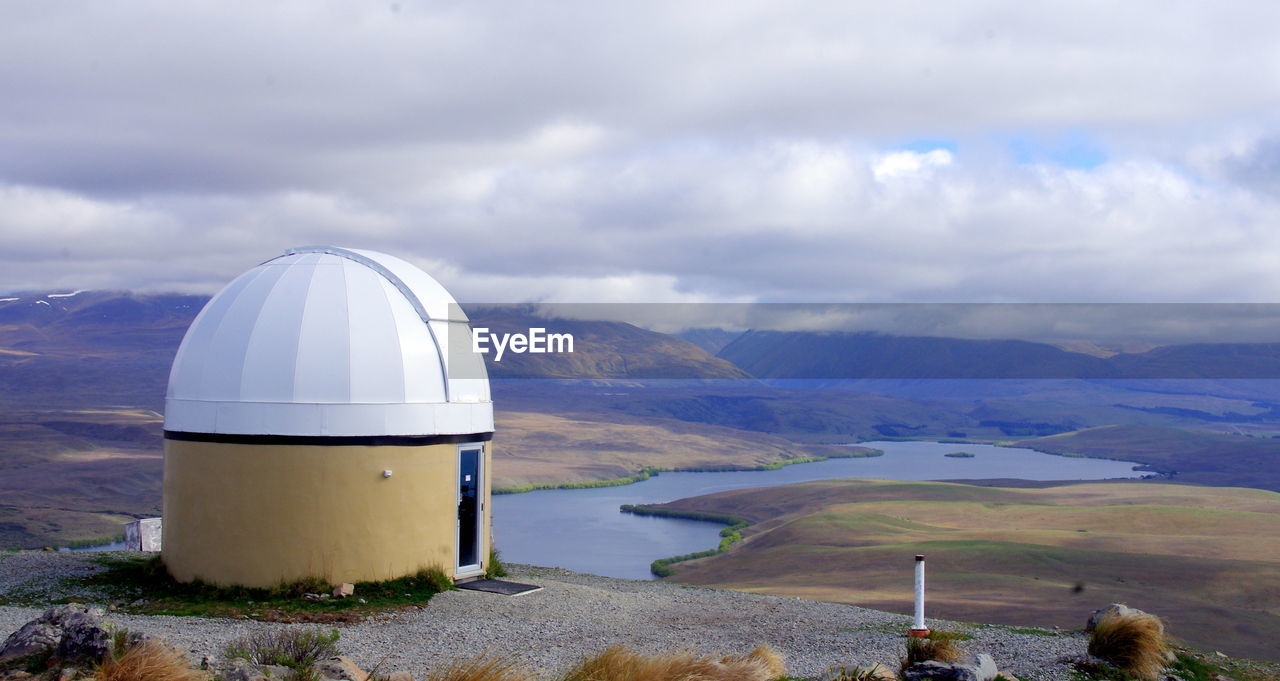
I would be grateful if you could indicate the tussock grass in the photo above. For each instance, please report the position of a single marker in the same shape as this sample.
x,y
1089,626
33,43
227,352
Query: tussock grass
x,y
484,667
1134,642
149,660
296,648
620,663
494,568
943,646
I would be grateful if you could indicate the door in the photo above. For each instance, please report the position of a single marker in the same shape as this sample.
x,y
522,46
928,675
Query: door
x,y
470,507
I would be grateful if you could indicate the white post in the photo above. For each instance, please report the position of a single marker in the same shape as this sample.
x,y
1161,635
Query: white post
x,y
918,629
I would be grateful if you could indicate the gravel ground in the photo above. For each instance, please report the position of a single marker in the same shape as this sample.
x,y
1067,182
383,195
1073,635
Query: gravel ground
x,y
573,615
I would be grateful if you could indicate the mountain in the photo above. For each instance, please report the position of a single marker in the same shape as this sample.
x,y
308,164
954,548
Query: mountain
x,y
111,347
711,340
844,355
602,349
91,347
793,354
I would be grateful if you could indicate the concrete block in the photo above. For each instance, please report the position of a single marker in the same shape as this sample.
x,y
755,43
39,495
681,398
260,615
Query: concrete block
x,y
142,535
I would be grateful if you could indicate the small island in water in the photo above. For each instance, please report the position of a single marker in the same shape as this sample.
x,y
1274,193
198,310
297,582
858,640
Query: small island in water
x,y
960,455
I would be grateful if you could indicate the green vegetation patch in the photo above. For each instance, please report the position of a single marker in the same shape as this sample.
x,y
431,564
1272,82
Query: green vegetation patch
x,y
728,536
494,568
1188,666
142,585
644,474
296,648
87,543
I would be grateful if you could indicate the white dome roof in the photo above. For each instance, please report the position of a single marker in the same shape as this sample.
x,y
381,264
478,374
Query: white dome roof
x,y
329,342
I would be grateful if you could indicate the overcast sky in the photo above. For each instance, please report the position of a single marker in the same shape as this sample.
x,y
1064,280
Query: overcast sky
x,y
682,151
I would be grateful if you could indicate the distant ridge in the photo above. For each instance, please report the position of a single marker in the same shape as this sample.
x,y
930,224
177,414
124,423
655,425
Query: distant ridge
x,y
602,349
830,355
68,349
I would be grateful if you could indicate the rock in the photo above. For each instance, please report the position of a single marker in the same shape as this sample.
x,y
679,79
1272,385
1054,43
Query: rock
x,y
344,590
240,669
35,637
276,671
136,638
67,674
400,676
207,662
1113,609
341,667
84,638
876,671
70,631
973,668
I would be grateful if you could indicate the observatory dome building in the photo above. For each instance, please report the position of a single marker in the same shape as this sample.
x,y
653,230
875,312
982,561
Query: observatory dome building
x,y
318,425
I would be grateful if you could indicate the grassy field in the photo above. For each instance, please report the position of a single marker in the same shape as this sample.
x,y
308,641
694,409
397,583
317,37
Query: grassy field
x,y
73,475
538,448
1207,559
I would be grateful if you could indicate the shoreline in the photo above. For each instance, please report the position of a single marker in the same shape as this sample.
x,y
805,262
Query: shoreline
x,y
650,471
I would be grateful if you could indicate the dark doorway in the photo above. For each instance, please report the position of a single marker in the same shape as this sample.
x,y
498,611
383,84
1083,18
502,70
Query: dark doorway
x,y
469,516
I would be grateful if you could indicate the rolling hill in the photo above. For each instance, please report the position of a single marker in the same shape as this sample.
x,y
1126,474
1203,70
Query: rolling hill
x,y
1207,559
1187,456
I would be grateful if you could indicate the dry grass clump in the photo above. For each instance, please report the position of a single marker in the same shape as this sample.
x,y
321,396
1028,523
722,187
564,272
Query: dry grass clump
x,y
942,646
483,667
148,661
620,663
1133,642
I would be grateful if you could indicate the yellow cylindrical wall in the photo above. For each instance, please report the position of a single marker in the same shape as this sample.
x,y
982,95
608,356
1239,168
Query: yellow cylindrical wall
x,y
258,515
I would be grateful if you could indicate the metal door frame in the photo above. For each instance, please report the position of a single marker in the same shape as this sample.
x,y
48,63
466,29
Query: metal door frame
x,y
476,568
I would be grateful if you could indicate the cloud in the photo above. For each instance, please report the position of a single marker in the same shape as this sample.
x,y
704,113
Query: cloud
x,y
898,164
722,151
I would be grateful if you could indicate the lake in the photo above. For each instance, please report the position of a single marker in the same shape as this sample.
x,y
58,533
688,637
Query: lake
x,y
583,530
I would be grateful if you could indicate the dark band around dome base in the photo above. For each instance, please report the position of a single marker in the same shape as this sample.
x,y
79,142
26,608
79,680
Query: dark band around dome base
x,y
329,441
